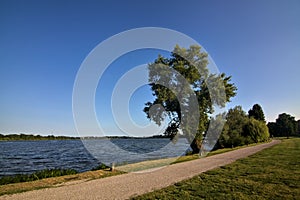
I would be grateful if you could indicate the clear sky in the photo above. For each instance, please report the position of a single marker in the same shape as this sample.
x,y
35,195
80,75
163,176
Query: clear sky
x,y
43,43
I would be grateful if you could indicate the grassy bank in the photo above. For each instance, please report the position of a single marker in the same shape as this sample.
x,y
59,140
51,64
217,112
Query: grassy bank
x,y
47,173
270,174
55,181
170,161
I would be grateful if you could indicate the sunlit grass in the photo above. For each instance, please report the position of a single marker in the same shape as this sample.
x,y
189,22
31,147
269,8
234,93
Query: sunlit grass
x,y
273,173
55,181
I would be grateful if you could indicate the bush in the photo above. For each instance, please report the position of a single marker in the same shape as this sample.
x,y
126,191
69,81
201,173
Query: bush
x,y
233,128
241,130
256,131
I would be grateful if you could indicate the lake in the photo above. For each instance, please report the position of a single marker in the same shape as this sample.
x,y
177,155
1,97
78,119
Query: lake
x,y
22,157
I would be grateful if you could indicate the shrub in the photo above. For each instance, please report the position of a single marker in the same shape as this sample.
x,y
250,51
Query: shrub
x,y
256,131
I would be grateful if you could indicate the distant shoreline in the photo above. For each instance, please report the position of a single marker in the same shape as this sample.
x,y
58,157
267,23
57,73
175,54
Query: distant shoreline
x,y
28,137
22,137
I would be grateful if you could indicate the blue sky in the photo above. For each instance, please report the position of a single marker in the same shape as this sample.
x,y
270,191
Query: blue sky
x,y
43,43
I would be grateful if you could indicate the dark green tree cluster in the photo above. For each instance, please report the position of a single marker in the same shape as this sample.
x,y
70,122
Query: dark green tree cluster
x,y
257,113
298,126
241,129
191,66
285,126
34,137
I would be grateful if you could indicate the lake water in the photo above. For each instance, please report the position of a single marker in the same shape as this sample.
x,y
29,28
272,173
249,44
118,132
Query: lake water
x,y
20,157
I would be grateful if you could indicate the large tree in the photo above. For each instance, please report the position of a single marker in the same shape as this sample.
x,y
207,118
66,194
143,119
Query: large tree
x,y
286,125
273,129
177,82
257,113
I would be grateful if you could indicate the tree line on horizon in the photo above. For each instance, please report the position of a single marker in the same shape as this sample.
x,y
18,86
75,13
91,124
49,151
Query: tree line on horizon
x,y
23,136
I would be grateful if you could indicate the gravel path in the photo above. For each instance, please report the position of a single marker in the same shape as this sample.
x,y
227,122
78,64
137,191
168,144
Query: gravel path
x,y
131,184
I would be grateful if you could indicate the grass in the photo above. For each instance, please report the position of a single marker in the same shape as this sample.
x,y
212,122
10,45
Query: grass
x,y
47,173
215,152
273,173
55,181
134,167
149,164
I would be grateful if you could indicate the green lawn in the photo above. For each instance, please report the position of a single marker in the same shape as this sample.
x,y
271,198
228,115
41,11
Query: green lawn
x,y
273,173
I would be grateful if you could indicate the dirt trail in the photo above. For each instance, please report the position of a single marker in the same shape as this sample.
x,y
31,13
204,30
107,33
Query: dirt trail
x,y
131,184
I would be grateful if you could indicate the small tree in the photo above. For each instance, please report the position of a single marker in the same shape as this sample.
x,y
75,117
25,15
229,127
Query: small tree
x,y
257,113
256,130
231,135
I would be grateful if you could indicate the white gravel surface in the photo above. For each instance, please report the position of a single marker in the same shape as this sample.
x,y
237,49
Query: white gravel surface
x,y
131,184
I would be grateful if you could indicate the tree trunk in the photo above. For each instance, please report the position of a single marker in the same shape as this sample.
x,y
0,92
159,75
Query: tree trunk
x,y
195,145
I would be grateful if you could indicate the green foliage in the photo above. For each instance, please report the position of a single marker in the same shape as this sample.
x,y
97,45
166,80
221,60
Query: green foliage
x,y
285,125
47,173
186,66
273,129
270,174
257,113
231,135
256,131
240,130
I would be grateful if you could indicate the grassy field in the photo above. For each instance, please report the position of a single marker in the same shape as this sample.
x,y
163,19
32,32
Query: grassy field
x,y
270,174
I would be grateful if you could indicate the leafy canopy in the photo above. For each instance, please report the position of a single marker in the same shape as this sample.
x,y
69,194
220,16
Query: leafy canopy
x,y
285,125
241,129
186,92
257,113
